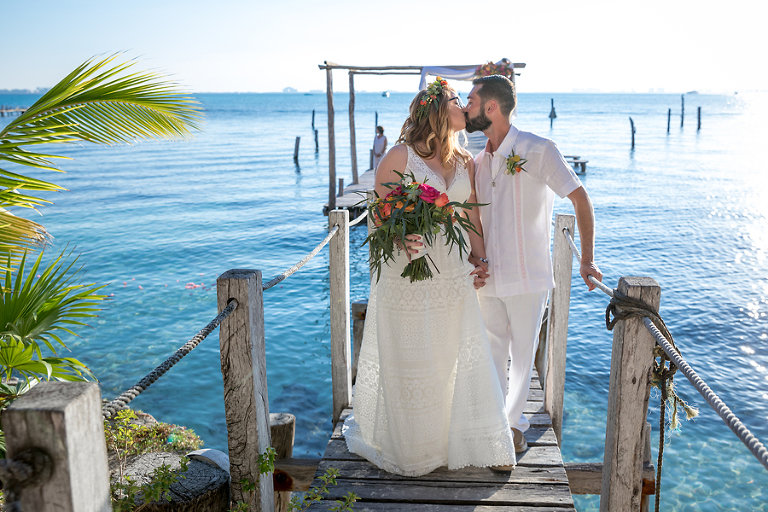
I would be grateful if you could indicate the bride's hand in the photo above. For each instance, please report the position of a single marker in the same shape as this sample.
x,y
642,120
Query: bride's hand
x,y
480,276
415,246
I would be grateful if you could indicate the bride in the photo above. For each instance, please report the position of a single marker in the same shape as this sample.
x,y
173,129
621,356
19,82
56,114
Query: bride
x,y
426,393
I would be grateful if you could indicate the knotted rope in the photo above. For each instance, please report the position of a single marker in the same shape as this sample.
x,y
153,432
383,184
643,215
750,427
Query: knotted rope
x,y
119,403
623,307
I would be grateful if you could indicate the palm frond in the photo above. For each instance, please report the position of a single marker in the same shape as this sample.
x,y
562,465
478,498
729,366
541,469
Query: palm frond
x,y
101,101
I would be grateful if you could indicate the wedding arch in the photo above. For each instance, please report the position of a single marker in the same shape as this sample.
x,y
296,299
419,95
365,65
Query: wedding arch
x,y
466,72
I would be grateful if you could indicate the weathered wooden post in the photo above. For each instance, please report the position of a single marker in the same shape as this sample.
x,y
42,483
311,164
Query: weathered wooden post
x,y
632,125
282,428
331,139
296,150
317,144
339,276
244,368
698,115
557,324
669,118
682,109
63,419
629,390
376,123
352,143
341,187
370,164
313,119
552,115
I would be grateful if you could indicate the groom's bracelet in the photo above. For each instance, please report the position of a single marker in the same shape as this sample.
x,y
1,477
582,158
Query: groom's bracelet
x,y
484,260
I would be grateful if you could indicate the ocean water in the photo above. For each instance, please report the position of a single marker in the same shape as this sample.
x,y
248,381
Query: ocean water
x,y
688,208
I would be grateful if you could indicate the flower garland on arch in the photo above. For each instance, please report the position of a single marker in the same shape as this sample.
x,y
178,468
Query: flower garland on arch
x,y
504,68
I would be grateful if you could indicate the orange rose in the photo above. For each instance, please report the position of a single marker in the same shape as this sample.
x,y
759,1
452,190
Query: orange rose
x,y
410,207
399,205
441,200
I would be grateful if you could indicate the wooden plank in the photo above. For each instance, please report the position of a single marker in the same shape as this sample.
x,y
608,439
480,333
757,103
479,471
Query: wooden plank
x,y
364,470
338,260
629,391
244,369
282,430
587,477
64,420
469,493
294,474
557,328
325,506
534,456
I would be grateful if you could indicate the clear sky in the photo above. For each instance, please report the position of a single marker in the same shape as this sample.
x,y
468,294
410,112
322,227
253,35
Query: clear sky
x,y
266,45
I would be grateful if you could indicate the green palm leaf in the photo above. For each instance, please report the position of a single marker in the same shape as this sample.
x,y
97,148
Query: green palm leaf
x,y
102,102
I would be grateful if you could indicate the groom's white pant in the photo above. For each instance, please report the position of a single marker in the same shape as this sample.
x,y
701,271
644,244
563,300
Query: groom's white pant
x,y
513,331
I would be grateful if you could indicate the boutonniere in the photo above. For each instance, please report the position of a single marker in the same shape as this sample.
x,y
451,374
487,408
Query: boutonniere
x,y
515,163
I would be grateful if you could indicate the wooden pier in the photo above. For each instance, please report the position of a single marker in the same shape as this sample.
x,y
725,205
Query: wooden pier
x,y
539,480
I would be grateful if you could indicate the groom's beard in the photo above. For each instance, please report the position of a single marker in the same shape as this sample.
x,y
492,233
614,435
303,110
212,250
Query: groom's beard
x,y
478,124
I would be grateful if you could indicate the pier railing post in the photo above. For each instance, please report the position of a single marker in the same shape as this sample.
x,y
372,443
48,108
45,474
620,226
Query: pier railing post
x,y
352,143
244,368
557,324
340,343
62,419
331,140
629,390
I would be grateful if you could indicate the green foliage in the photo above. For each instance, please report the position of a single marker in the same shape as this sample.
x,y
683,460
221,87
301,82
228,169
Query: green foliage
x,y
100,102
316,494
125,438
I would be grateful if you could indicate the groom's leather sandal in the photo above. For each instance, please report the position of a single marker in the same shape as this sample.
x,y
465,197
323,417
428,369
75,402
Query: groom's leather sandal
x,y
521,444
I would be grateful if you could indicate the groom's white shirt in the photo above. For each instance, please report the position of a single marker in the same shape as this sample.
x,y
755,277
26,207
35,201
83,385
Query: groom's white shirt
x,y
517,222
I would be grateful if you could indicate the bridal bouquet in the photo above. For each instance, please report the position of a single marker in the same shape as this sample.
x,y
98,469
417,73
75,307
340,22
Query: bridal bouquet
x,y
413,207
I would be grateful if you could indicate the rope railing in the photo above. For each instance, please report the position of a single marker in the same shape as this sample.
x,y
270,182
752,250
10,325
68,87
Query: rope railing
x,y
290,271
122,401
359,219
754,445
111,408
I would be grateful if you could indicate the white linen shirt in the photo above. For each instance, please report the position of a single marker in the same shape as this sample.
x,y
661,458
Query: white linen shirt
x,y
517,222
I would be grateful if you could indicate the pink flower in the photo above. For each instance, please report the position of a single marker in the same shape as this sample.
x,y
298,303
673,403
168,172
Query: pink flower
x,y
428,194
442,200
395,192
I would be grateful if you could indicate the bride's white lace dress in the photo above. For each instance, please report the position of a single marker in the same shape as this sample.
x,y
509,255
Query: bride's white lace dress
x,y
426,393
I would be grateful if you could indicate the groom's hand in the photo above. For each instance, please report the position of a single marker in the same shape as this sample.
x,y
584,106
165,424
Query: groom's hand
x,y
587,269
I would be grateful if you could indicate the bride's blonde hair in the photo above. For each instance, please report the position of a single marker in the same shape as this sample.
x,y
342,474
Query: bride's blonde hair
x,y
421,132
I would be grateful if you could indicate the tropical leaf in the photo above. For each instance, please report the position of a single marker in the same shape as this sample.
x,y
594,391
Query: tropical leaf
x,y
34,310
101,101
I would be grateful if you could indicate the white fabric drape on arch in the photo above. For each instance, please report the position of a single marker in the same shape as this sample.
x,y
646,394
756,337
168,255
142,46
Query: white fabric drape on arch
x,y
457,73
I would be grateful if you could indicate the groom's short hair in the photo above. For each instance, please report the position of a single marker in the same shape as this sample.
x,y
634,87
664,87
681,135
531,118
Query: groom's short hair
x,y
499,88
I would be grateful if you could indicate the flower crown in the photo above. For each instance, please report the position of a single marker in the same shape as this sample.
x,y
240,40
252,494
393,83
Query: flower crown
x,y
433,90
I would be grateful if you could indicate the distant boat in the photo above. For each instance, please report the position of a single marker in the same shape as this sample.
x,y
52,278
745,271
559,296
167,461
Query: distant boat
x,y
692,92
385,94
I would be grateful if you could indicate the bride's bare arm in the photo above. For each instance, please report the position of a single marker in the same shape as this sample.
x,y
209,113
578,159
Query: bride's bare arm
x,y
393,161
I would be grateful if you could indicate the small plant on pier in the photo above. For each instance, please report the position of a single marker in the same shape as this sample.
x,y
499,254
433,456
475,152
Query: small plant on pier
x,y
125,438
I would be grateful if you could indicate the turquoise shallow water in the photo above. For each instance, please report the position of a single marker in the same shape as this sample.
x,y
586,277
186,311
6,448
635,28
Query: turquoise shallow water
x,y
688,209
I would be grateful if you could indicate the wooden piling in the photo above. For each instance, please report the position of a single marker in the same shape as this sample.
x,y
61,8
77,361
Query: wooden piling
x,y
63,419
669,118
341,187
296,150
370,164
698,115
632,125
352,137
339,290
629,390
557,324
317,144
376,123
313,119
246,402
682,109
552,114
282,428
331,140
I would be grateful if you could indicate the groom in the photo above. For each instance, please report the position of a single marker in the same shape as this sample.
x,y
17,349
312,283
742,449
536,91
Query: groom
x,y
519,193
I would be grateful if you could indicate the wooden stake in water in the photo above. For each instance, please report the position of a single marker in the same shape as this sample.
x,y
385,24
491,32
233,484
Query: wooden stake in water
x,y
296,150
317,145
669,117
313,119
682,109
632,124
552,114
699,119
